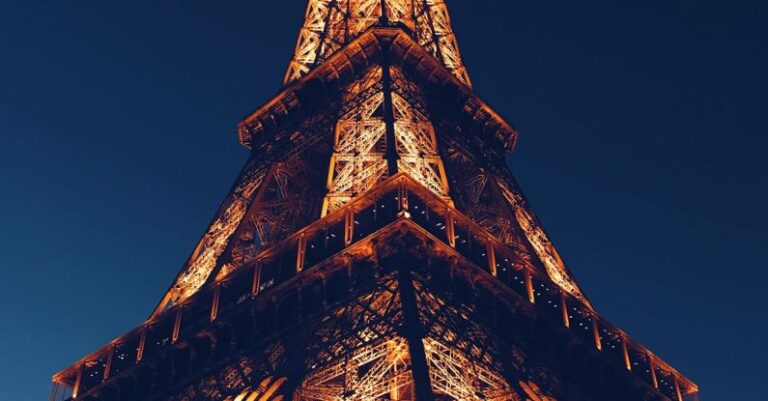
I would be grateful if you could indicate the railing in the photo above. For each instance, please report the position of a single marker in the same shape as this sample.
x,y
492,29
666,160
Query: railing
x,y
399,198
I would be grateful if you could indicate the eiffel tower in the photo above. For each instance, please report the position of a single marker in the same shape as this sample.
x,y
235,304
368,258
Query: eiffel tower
x,y
375,246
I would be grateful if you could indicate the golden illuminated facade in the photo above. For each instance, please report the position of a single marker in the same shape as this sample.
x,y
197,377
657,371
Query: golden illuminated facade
x,y
375,247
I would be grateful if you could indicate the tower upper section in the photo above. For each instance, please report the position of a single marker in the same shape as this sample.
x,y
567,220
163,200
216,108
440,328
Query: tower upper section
x,y
330,24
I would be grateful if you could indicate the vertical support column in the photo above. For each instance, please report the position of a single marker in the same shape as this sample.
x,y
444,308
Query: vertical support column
x,y
350,265
625,352
215,302
108,365
349,226
491,252
78,380
301,250
450,229
256,278
678,393
529,286
652,365
443,176
177,324
413,333
596,333
564,307
402,200
142,343
389,116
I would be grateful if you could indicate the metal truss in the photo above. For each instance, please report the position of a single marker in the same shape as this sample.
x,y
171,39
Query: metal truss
x,y
266,204
417,147
379,371
267,390
288,199
382,372
283,205
492,203
203,260
331,24
361,324
357,352
540,242
359,158
480,198
361,358
237,381
452,325
469,353
454,374
534,392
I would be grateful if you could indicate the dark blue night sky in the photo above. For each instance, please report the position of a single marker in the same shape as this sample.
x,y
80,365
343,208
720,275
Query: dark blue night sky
x,y
642,149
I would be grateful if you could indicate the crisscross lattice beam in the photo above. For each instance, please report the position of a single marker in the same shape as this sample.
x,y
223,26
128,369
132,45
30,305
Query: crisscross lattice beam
x,y
331,24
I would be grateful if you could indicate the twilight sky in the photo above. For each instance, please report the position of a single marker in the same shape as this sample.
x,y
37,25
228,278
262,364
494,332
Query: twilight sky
x,y
642,150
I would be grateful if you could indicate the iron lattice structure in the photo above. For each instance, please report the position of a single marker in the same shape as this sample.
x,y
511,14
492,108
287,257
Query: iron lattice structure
x,y
329,25
374,247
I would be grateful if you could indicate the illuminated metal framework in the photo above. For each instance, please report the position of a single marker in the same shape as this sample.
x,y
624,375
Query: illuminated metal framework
x,y
387,375
265,391
282,304
370,361
363,151
375,247
329,25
